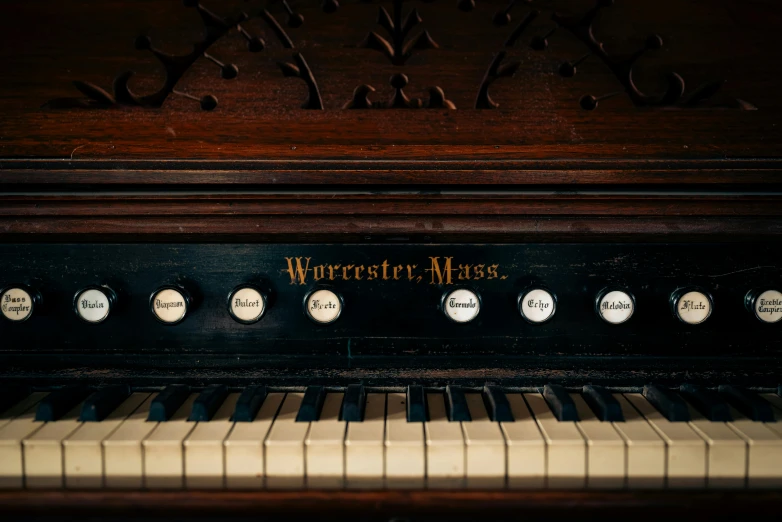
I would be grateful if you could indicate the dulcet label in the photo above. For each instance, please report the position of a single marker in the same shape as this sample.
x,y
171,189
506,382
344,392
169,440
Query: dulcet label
x,y
768,306
537,306
616,307
693,307
323,306
16,304
247,304
461,305
93,305
169,305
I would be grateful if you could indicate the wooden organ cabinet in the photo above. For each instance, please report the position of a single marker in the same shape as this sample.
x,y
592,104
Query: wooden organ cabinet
x,y
390,259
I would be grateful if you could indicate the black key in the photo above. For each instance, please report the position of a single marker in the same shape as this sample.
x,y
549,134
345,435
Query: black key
x,y
748,403
11,395
60,402
416,404
779,390
667,402
706,401
311,404
560,402
208,402
102,402
353,404
168,402
248,403
457,405
499,407
603,403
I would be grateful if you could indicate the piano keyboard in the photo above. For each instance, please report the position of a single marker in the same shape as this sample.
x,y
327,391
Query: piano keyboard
x,y
655,437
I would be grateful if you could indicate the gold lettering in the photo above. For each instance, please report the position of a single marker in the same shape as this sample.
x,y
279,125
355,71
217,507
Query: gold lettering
x,y
410,269
372,271
318,272
331,271
478,271
300,271
440,275
345,276
493,271
464,272
384,264
359,270
397,268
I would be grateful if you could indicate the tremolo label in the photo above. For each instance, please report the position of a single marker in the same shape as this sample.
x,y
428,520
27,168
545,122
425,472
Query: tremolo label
x,y
434,271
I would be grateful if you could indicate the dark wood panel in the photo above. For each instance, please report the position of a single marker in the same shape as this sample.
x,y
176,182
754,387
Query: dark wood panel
x,y
720,50
481,167
385,505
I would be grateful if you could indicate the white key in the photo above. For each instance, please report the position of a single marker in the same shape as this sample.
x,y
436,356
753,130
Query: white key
x,y
566,463
645,448
204,462
83,450
405,446
686,459
606,449
727,452
526,447
43,456
123,455
365,445
20,407
164,463
445,450
244,458
484,447
285,446
11,454
764,458
325,446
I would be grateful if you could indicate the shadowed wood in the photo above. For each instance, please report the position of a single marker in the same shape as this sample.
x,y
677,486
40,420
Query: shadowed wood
x,y
722,50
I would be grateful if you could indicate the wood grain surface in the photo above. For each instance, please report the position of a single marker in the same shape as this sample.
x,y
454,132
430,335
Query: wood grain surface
x,y
539,131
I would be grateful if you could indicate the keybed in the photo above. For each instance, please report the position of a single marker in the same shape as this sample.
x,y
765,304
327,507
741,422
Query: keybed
x,y
361,438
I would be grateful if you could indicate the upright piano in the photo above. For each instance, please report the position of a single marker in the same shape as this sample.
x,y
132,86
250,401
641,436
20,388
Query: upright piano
x,y
386,259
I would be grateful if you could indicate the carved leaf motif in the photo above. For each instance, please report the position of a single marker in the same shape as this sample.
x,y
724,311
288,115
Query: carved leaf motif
x,y
94,92
422,41
378,43
508,69
384,20
413,19
705,91
288,70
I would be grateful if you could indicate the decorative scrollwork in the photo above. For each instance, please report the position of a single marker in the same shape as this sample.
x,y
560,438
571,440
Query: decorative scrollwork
x,y
175,66
399,49
302,70
496,70
399,100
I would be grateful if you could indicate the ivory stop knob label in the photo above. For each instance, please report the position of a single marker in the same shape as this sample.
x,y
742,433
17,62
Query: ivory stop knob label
x,y
246,304
93,305
768,306
461,305
616,306
537,305
323,306
169,305
16,304
693,307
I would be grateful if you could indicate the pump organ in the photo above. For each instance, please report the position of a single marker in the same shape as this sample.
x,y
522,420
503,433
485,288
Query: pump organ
x,y
473,286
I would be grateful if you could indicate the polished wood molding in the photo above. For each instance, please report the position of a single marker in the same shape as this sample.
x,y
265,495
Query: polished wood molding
x,y
373,504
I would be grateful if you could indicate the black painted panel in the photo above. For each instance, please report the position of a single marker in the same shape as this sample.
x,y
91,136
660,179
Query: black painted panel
x,y
392,316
